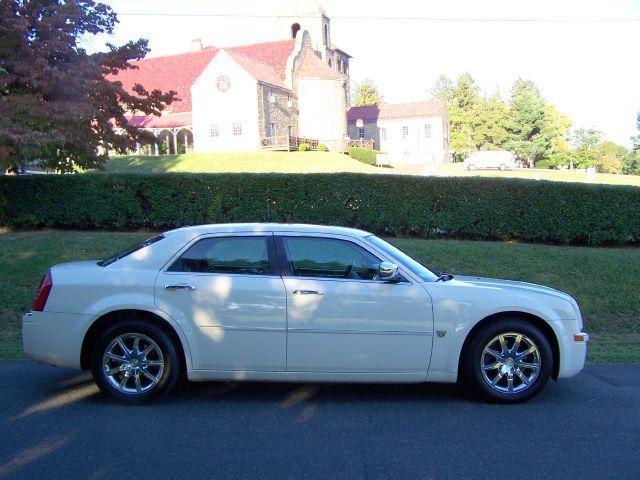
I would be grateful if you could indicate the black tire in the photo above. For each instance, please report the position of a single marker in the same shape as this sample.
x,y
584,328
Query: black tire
x,y
471,167
481,369
136,377
502,167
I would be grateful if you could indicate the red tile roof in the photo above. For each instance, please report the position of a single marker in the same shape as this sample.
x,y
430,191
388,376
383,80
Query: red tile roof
x,y
266,62
312,67
258,70
372,113
164,121
274,54
173,72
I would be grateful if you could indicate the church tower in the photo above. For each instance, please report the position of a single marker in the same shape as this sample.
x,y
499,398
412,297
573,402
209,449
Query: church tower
x,y
296,16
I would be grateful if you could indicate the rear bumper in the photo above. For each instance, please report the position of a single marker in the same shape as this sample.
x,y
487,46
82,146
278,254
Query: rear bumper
x,y
54,338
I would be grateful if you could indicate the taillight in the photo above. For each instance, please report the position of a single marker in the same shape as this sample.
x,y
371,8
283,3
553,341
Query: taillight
x,y
43,293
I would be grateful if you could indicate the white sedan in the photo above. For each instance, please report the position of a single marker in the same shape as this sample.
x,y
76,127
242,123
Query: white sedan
x,y
296,303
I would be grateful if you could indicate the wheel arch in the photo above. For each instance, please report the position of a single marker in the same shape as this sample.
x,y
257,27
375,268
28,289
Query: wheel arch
x,y
538,322
127,314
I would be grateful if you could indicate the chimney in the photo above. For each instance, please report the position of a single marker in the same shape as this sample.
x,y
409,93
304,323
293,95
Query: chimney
x,y
196,45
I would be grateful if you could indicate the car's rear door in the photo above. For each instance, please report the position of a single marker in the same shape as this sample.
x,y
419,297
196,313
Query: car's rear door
x,y
226,293
340,318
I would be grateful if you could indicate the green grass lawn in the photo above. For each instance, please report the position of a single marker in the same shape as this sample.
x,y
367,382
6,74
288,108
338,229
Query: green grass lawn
x,y
605,281
326,162
252,162
457,170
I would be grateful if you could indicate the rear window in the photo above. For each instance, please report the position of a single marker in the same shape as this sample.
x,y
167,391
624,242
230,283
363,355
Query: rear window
x,y
129,250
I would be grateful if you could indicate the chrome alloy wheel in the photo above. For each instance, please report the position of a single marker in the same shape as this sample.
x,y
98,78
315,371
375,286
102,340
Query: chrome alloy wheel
x,y
133,363
510,363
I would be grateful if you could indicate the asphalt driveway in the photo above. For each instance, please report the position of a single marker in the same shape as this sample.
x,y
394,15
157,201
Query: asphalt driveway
x,y
55,424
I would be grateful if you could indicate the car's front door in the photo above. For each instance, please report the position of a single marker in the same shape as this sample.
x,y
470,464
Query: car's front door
x,y
342,318
226,293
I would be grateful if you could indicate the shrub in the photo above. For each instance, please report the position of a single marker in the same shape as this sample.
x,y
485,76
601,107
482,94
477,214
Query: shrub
x,y
363,155
322,147
304,147
546,163
462,207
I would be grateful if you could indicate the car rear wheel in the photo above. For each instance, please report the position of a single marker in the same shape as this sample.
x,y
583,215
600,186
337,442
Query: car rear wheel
x,y
134,362
471,166
502,167
508,362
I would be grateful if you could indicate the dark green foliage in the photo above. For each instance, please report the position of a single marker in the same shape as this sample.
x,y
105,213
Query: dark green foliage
x,y
322,147
61,106
363,155
304,147
430,207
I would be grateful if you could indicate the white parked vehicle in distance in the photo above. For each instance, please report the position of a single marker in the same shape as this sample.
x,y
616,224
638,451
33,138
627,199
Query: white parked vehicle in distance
x,y
300,303
500,159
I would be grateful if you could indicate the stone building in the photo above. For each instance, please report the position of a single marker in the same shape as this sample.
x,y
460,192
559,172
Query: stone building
x,y
415,132
252,96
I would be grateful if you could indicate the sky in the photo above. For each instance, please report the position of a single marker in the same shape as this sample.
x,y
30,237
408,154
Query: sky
x,y
580,54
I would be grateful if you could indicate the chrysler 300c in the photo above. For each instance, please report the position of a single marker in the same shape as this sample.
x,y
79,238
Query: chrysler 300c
x,y
299,303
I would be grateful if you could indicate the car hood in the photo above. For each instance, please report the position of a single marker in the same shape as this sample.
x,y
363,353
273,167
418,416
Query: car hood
x,y
513,286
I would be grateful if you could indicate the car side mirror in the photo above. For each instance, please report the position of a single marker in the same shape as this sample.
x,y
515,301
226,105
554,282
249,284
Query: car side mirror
x,y
388,272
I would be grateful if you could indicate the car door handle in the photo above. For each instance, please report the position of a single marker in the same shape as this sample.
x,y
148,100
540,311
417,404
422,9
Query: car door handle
x,y
182,286
307,292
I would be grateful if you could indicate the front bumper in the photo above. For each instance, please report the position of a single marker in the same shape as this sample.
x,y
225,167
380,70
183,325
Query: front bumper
x,y
54,338
573,354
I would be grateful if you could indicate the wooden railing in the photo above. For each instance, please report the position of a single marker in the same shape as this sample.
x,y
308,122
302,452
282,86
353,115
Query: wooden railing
x,y
286,142
291,143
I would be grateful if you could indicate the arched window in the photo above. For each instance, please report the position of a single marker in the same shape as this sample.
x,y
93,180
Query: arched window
x,y
295,28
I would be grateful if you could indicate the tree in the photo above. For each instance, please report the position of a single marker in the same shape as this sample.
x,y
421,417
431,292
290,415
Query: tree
x,y
636,139
526,123
57,105
443,89
463,116
557,131
585,154
631,161
367,94
491,127
609,157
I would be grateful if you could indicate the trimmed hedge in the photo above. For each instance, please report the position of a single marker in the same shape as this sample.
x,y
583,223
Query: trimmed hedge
x,y
472,208
363,155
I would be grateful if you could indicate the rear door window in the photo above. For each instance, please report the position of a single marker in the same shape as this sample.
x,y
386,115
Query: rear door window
x,y
230,255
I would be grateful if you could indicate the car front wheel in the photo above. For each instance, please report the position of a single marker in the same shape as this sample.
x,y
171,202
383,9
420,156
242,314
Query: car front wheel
x,y
134,361
508,362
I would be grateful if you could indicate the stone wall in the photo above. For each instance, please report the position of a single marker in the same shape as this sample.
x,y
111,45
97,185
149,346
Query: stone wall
x,y
282,111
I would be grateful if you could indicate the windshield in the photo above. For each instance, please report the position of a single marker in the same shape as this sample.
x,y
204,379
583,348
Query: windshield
x,y
416,267
129,250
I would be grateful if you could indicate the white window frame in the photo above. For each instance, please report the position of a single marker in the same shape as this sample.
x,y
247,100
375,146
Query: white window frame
x,y
236,128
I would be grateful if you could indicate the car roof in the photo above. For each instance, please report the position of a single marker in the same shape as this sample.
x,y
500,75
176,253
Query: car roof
x,y
491,153
197,230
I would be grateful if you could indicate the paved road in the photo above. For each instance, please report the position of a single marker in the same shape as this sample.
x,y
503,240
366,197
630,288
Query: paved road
x,y
55,424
